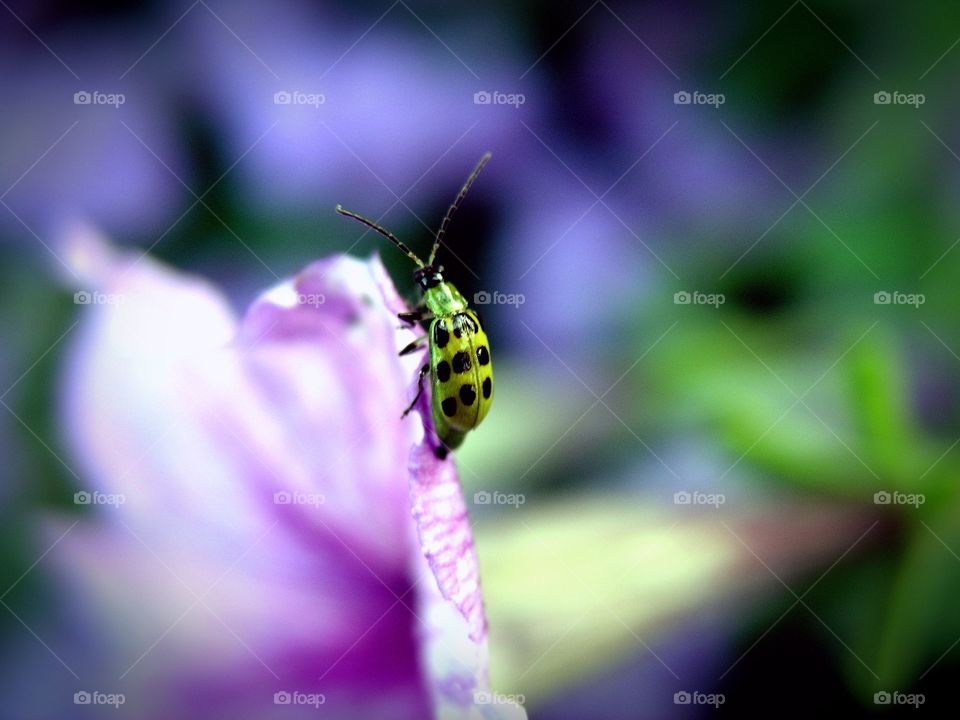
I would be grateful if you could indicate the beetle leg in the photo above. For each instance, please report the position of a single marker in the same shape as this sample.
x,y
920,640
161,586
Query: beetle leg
x,y
410,319
423,372
415,345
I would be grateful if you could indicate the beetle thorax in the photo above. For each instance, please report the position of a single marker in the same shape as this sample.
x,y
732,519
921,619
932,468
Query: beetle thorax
x,y
444,299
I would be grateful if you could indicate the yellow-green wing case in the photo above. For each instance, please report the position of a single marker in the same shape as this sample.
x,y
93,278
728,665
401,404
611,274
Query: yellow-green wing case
x,y
461,371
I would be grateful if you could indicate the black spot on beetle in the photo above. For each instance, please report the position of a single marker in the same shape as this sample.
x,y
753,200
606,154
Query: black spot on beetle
x,y
449,406
483,355
464,323
461,362
467,394
443,371
440,335
487,388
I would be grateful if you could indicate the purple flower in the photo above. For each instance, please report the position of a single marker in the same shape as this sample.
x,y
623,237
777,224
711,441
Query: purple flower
x,y
75,139
382,109
277,535
368,100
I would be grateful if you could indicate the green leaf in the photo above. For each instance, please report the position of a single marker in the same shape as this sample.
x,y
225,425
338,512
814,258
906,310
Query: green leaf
x,y
578,586
921,621
887,434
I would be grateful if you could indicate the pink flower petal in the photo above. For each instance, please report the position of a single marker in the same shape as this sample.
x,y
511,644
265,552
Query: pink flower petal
x,y
443,527
199,420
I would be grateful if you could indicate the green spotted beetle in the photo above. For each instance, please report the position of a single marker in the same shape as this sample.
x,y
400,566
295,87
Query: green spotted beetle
x,y
461,376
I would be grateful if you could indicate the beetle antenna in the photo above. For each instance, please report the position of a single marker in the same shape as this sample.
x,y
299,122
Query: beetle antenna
x,y
456,204
383,231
